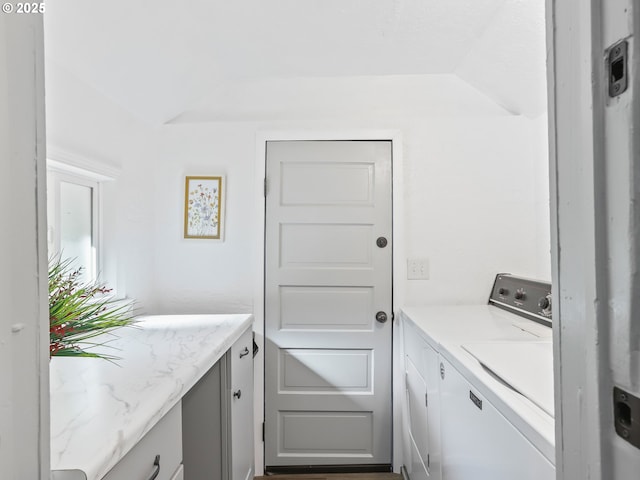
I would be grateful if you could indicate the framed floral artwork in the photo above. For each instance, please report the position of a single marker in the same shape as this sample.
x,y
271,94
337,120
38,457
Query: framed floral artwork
x,y
203,207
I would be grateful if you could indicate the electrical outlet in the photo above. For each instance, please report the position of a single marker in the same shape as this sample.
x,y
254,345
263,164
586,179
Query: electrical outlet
x,y
417,269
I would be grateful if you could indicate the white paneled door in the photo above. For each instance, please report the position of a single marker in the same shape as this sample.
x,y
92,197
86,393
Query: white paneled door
x,y
328,306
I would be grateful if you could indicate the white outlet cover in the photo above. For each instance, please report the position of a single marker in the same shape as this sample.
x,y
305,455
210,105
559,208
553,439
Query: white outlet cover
x,y
417,269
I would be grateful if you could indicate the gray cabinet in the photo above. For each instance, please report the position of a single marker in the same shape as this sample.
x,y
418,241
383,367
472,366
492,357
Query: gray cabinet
x,y
203,428
217,418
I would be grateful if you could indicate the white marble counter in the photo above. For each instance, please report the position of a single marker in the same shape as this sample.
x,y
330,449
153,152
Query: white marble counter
x,y
455,331
100,410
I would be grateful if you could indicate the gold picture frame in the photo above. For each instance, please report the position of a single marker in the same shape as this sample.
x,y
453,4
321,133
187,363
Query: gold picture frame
x,y
203,207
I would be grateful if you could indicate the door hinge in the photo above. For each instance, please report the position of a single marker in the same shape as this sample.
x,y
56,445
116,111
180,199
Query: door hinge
x,y
265,186
426,399
428,461
263,431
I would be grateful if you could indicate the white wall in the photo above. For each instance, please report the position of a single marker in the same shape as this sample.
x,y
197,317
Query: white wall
x,y
475,182
472,206
24,356
89,128
193,275
475,195
471,201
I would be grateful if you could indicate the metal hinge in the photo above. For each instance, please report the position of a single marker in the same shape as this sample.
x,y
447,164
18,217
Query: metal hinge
x,y
428,461
265,186
426,399
263,431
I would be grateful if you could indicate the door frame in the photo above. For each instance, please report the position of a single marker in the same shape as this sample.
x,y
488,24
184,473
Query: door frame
x,y
591,148
398,265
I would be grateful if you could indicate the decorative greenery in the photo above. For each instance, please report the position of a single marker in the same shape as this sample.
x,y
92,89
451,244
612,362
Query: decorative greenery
x,y
79,312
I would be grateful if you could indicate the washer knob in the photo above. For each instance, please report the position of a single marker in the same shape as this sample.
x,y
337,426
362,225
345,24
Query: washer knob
x,y
520,294
545,305
503,291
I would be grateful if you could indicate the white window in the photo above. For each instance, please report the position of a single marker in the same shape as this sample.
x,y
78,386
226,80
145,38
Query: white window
x,y
81,203
73,221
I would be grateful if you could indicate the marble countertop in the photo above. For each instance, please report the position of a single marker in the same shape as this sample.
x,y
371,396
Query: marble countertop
x,y
458,331
100,410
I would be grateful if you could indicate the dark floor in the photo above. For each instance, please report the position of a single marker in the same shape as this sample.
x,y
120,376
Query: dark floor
x,y
334,476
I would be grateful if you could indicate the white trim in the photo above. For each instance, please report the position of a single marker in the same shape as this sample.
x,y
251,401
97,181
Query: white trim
x,y
399,265
24,327
72,163
592,203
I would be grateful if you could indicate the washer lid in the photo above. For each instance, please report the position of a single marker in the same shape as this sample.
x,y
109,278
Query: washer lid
x,y
527,367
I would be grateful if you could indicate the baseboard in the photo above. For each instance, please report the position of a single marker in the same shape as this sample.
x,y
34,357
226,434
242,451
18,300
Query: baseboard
x,y
309,469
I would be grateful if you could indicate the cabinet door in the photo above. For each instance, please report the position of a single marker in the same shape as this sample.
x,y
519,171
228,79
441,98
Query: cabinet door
x,y
241,407
204,427
218,418
431,365
163,441
417,400
422,405
478,442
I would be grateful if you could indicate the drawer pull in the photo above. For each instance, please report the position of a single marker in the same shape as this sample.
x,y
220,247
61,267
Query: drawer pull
x,y
237,394
476,401
156,463
244,353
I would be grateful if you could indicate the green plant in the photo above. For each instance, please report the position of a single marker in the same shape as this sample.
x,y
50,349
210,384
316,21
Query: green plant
x,y
79,312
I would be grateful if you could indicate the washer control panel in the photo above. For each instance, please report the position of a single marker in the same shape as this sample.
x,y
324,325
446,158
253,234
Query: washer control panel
x,y
523,296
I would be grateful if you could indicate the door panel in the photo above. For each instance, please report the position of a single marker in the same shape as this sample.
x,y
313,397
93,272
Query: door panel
x,y
306,183
327,361
326,308
326,370
326,434
325,246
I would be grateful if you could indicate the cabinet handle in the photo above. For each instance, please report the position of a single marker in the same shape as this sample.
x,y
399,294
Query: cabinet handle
x,y
476,401
156,463
244,353
237,394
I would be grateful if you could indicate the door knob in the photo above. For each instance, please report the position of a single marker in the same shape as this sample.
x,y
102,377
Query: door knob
x,y
381,317
237,394
381,242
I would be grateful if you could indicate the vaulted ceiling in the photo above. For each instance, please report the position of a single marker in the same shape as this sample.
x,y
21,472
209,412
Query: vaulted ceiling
x,y
163,59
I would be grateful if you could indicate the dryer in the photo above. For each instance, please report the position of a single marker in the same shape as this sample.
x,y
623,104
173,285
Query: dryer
x,y
495,386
